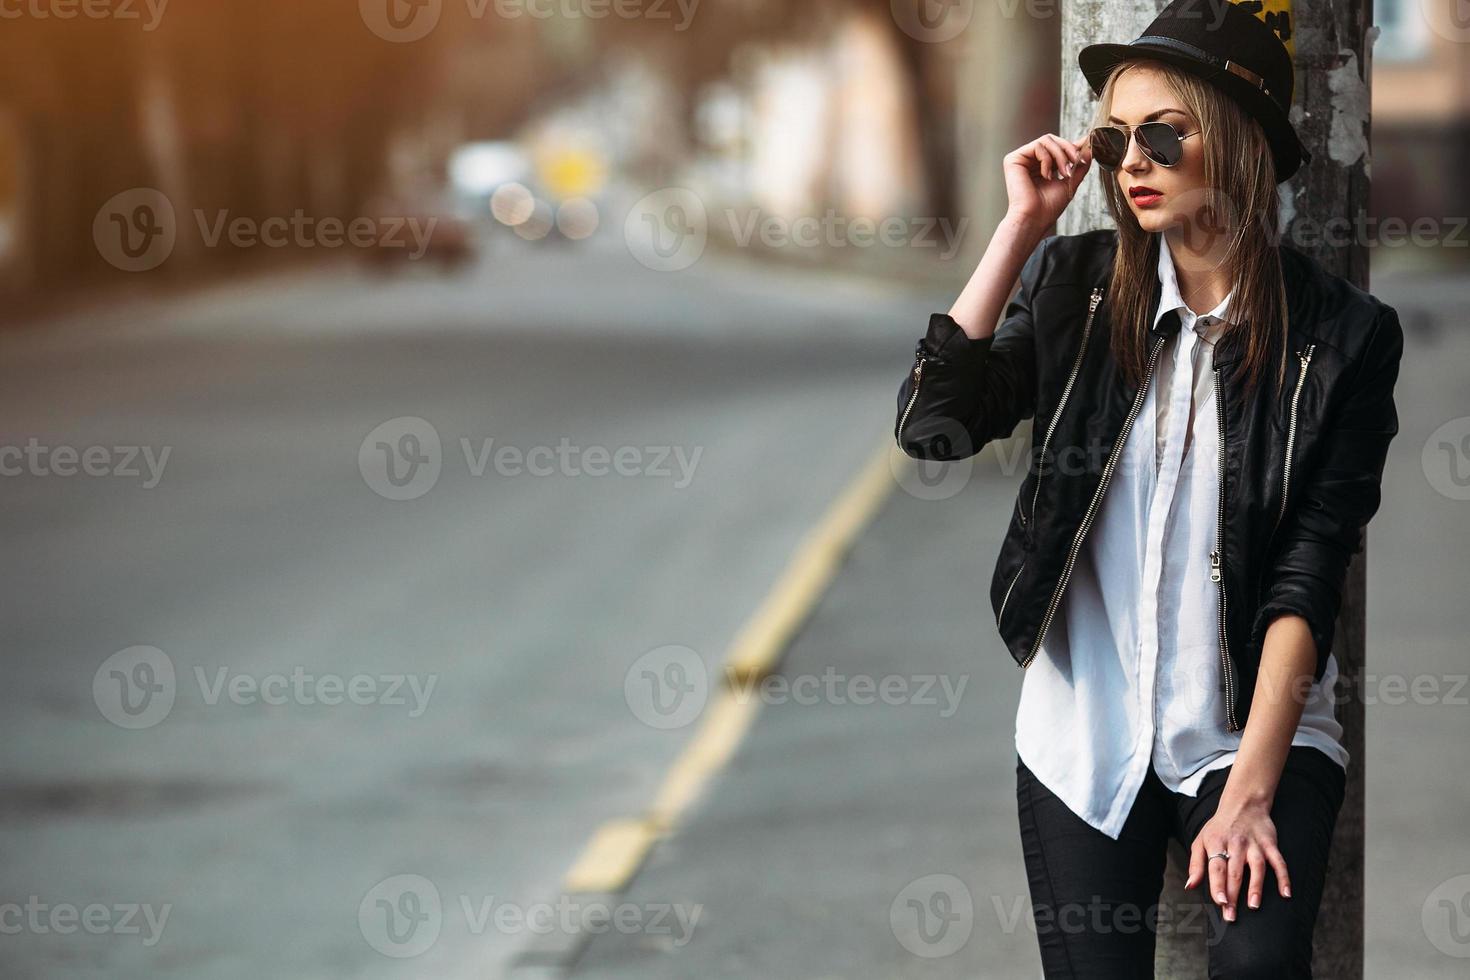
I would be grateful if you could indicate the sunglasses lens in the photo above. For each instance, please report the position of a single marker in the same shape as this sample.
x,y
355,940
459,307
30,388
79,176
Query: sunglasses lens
x,y
1108,146
1161,142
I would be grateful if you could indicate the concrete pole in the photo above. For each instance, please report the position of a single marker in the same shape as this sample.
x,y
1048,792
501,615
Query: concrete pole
x,y
1333,49
1332,53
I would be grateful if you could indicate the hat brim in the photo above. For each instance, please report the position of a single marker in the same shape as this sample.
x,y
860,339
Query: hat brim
x,y
1097,61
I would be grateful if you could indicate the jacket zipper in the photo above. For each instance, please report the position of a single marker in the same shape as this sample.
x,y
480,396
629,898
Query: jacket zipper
x,y
1217,571
1087,518
918,376
1306,358
1092,304
1056,416
1009,589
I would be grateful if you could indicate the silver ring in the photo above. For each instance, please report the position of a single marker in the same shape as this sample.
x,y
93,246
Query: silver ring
x,y
1222,854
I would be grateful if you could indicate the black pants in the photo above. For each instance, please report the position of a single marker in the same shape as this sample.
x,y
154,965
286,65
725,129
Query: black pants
x,y
1096,900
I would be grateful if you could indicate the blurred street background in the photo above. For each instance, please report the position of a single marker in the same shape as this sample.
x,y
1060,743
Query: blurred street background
x,y
408,408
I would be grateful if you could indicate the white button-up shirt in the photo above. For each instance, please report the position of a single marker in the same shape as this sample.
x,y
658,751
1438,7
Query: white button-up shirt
x,y
1129,674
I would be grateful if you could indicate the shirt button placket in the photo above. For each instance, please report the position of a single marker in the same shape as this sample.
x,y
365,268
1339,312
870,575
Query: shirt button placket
x,y
1180,394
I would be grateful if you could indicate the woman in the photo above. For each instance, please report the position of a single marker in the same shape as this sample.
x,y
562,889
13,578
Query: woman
x,y
1212,414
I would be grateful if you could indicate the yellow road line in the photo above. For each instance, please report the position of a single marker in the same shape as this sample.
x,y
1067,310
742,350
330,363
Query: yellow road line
x,y
618,848
725,724
611,856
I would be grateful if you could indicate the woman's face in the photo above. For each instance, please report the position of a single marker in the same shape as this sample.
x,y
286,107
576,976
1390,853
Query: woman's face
x,y
1140,94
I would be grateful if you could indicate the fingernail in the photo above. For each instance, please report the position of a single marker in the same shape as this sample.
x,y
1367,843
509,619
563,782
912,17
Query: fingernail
x,y
1230,915
1287,889
1070,168
1220,897
1255,903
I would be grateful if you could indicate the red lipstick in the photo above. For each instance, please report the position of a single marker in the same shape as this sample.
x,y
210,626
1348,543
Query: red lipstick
x,y
1144,196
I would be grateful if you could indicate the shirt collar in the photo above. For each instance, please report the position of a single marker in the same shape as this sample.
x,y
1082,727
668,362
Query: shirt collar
x,y
1208,325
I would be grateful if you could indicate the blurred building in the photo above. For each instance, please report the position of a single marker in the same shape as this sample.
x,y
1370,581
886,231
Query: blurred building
x,y
866,109
1421,110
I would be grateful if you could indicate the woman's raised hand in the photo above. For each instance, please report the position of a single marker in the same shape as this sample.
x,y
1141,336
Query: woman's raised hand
x,y
1042,177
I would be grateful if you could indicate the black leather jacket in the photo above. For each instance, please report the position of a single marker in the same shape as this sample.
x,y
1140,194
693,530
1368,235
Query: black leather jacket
x,y
1300,464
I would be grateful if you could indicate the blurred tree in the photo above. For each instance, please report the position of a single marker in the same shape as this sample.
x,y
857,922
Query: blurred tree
x,y
261,107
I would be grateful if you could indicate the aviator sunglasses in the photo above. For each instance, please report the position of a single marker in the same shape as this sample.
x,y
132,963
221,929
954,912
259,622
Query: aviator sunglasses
x,y
1159,141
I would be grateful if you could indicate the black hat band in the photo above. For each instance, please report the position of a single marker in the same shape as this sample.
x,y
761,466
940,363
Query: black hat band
x,y
1184,47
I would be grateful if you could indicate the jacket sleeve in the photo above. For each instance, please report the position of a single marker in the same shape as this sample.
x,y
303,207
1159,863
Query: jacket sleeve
x,y
960,393
1341,492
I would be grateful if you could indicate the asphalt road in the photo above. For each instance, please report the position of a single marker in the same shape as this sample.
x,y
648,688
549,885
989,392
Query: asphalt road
x,y
365,687
265,823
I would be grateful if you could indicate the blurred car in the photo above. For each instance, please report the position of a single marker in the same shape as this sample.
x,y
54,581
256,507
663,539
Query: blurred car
x,y
524,192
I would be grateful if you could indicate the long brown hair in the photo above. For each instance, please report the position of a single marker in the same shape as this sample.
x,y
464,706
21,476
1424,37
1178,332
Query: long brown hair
x,y
1240,199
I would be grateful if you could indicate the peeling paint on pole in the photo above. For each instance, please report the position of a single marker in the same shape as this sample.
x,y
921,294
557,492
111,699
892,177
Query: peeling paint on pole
x,y
1347,140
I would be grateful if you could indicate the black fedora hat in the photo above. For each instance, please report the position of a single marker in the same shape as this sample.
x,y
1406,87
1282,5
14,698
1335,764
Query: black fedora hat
x,y
1227,46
